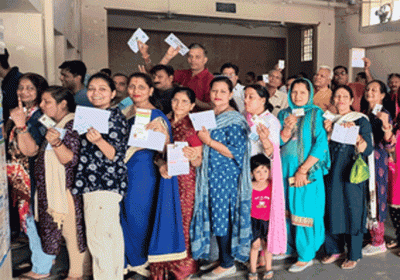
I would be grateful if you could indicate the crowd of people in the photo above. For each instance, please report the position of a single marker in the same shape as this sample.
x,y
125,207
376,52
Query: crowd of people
x,y
270,181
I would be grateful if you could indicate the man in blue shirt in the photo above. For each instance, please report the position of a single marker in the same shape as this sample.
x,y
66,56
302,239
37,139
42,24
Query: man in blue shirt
x,y
72,76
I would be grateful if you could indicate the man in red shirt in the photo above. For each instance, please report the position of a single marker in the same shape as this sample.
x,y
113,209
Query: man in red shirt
x,y
198,77
341,77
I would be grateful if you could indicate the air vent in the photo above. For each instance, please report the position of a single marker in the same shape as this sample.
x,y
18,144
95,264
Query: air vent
x,y
226,7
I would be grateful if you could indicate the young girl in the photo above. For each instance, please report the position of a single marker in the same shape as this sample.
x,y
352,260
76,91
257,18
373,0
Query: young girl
x,y
260,210
102,178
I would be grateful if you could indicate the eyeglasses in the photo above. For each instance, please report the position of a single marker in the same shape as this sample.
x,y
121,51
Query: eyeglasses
x,y
183,102
341,73
27,88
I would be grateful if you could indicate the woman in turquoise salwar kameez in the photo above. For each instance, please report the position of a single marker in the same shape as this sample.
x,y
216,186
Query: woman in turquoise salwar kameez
x,y
305,160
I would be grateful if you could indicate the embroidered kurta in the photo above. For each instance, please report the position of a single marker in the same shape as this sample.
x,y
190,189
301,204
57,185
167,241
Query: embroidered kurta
x,y
381,165
306,204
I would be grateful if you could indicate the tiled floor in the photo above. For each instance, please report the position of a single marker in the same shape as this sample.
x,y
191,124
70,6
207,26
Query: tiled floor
x,y
382,266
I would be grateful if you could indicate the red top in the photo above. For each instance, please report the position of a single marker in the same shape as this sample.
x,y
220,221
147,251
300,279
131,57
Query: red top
x,y
358,92
261,203
199,83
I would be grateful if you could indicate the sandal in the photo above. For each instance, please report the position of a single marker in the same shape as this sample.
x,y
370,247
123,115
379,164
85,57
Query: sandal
x,y
348,264
392,244
252,276
31,275
268,274
331,259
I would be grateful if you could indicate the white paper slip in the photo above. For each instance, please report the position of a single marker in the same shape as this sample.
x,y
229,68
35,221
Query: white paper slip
x,y
298,112
357,55
281,64
174,42
139,132
345,135
142,117
138,35
47,121
62,134
377,109
265,78
329,115
178,164
258,120
155,141
206,119
87,117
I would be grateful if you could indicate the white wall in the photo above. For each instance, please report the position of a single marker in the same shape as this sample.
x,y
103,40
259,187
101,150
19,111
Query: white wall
x,y
42,38
94,21
67,20
23,35
382,45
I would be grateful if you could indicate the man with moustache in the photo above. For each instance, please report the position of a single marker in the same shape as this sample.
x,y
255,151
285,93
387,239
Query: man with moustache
x,y
197,78
163,77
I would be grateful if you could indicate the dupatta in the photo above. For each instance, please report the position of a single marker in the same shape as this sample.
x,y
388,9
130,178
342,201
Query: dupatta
x,y
372,221
200,228
277,234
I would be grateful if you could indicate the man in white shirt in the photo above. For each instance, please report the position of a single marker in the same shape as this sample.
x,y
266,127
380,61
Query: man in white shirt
x,y
232,71
277,98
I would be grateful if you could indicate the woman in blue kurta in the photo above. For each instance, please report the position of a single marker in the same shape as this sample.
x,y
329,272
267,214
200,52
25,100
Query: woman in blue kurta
x,y
305,158
223,186
151,216
346,203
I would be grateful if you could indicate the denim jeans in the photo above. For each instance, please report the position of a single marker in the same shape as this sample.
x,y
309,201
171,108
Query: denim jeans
x,y
41,262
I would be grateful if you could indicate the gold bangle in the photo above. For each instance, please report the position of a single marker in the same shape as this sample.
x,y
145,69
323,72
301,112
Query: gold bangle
x,y
389,129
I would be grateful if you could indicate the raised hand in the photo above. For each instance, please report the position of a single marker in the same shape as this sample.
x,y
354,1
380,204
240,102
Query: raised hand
x,y
204,136
367,62
290,121
328,125
143,48
18,114
93,135
384,117
190,153
52,136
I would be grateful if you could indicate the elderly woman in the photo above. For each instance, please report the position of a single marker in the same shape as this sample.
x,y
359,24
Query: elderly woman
x,y
346,202
60,212
151,215
305,160
223,186
183,101
381,122
25,138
